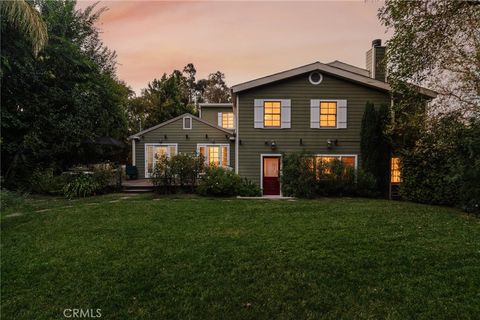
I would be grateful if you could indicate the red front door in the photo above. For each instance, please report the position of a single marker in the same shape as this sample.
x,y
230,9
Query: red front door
x,y
271,176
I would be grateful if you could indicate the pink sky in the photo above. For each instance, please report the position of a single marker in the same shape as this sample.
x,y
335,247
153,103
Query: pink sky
x,y
245,40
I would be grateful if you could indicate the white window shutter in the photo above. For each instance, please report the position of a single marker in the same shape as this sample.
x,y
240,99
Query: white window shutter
x,y
315,113
286,114
341,114
219,119
258,113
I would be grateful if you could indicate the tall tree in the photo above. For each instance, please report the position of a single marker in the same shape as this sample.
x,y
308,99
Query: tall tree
x,y
216,89
23,16
374,144
52,105
189,71
166,98
436,43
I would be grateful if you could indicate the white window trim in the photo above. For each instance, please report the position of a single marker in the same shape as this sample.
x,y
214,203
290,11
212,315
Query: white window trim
x,y
266,155
263,116
282,102
341,155
191,124
156,145
206,145
336,114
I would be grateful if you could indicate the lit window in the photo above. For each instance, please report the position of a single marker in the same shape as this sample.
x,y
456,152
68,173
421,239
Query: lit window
x,y
227,120
324,163
216,155
271,113
328,114
154,152
395,170
213,157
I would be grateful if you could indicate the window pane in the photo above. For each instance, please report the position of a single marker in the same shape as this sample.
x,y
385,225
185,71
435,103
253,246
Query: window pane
x,y
227,120
328,114
160,151
149,159
270,167
395,170
225,156
213,155
272,114
348,162
202,151
173,151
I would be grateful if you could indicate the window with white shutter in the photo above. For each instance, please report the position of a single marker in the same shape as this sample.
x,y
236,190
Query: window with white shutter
x,y
272,113
328,114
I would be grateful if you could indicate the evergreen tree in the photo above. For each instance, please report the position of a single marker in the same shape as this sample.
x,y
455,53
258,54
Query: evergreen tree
x,y
374,145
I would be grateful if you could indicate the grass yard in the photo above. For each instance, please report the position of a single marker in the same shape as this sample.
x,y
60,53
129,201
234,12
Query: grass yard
x,y
196,258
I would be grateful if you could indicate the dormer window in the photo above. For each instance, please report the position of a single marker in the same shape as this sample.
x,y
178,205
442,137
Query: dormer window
x,y
187,123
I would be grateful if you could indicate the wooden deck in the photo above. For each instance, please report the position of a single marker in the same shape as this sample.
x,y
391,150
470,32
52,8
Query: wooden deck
x,y
138,185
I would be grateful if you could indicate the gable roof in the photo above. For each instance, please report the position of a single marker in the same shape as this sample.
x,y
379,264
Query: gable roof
x,y
349,67
137,135
328,69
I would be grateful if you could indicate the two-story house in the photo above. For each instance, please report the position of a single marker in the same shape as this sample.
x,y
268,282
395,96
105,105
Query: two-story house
x,y
317,108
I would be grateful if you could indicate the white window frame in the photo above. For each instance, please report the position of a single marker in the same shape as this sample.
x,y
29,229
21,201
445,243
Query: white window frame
x,y
320,114
191,124
220,119
315,103
168,145
206,145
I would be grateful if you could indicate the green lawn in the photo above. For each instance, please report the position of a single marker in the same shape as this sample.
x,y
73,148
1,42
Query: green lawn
x,y
142,258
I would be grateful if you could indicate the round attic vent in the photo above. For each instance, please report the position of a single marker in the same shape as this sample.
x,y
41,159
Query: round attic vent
x,y
315,77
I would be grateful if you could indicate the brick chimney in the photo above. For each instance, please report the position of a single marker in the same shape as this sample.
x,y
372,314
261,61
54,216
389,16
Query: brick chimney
x,y
376,60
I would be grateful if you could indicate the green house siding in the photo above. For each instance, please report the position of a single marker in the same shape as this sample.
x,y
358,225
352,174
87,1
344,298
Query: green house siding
x,y
210,114
252,142
175,134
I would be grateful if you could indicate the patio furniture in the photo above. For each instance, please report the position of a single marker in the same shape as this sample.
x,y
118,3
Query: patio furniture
x,y
131,172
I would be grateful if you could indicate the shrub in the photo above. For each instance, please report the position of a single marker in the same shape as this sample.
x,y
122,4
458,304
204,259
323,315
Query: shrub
x,y
304,178
298,178
178,171
249,189
218,181
366,185
43,181
83,185
335,179
10,199
443,167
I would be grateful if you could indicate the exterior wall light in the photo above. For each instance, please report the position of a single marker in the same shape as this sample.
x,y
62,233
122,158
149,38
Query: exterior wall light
x,y
273,145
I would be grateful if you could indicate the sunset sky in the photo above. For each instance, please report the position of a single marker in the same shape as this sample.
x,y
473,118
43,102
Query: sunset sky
x,y
245,40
